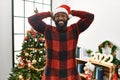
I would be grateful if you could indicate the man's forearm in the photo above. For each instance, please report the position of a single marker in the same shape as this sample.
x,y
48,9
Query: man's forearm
x,y
86,19
38,17
36,21
82,14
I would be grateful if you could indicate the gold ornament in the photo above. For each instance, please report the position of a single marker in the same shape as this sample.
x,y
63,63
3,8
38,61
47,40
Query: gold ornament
x,y
34,61
26,54
20,77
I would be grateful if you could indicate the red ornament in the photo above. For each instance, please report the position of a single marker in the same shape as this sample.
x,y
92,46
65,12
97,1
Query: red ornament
x,y
40,39
22,58
35,34
21,64
26,38
28,79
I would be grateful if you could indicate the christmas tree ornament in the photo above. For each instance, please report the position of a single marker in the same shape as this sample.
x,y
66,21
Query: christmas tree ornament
x,y
25,42
44,45
21,64
31,45
43,39
31,63
28,79
35,50
22,58
40,59
40,39
41,44
26,54
35,39
41,52
20,77
26,38
34,61
30,39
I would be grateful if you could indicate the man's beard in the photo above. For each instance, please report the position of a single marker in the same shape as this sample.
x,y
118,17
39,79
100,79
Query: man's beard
x,y
61,28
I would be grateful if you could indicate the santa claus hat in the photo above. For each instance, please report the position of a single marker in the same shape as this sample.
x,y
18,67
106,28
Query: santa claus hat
x,y
62,8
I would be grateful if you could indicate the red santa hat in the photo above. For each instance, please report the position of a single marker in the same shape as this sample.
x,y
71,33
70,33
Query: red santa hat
x,y
62,8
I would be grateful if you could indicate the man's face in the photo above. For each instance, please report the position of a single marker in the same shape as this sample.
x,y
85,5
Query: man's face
x,y
61,20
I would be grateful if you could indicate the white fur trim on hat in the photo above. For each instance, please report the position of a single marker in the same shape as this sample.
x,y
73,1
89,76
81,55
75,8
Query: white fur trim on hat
x,y
60,9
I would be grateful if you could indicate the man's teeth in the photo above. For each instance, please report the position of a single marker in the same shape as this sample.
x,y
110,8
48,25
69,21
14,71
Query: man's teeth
x,y
61,22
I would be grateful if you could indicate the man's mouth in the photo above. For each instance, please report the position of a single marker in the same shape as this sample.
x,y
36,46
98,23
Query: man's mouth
x,y
60,23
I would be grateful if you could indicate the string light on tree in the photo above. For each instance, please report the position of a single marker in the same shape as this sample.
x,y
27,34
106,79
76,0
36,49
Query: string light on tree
x,y
31,60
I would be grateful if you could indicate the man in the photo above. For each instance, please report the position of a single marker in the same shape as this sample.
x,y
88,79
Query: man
x,y
61,41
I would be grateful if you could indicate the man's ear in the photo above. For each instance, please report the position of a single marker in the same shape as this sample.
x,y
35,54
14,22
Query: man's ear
x,y
68,18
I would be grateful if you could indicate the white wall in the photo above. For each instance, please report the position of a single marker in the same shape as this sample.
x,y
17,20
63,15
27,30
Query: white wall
x,y
5,39
106,24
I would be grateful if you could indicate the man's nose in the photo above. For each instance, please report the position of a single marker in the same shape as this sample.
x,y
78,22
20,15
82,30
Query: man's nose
x,y
60,18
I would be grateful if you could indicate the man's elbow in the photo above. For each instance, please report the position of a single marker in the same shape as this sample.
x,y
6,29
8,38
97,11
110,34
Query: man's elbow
x,y
91,16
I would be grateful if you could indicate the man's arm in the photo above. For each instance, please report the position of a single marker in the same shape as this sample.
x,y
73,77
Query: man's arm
x,y
36,21
86,19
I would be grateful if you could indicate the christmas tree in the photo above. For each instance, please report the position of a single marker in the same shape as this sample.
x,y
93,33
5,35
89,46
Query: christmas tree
x,y
32,58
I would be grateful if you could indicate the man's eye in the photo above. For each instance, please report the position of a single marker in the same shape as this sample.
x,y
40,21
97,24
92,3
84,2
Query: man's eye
x,y
57,16
63,15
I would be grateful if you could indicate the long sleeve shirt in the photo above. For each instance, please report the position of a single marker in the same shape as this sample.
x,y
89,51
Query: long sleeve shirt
x,y
61,46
